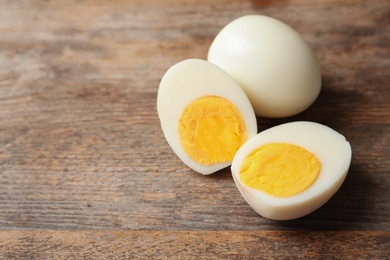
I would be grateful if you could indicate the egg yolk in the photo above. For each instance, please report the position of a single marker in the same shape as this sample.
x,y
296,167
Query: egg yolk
x,y
280,169
211,129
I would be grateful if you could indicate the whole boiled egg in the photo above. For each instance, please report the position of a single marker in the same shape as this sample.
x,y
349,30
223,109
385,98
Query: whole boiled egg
x,y
204,114
290,170
271,61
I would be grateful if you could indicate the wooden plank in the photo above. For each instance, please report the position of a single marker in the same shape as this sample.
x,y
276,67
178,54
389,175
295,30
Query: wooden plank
x,y
193,245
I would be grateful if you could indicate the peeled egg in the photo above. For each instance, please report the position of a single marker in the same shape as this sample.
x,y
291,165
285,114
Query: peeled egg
x,y
271,61
290,170
204,114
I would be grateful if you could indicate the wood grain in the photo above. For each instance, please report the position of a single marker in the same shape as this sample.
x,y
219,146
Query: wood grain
x,y
194,245
81,146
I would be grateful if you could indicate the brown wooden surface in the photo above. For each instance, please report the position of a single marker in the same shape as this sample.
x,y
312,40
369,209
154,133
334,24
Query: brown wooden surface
x,y
86,172
194,244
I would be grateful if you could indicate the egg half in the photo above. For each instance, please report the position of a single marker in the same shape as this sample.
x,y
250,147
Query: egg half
x,y
204,114
271,61
290,170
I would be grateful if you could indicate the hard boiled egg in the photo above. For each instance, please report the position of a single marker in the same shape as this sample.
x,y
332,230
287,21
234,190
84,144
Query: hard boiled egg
x,y
271,61
290,170
205,115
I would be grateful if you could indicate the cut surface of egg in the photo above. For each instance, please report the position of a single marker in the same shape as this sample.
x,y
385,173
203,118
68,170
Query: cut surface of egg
x,y
204,114
271,61
290,170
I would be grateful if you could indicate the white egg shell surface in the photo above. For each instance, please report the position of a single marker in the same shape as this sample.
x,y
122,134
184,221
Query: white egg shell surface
x,y
330,147
271,61
187,81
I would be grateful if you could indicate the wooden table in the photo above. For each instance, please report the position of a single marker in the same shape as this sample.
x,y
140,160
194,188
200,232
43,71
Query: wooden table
x,y
85,171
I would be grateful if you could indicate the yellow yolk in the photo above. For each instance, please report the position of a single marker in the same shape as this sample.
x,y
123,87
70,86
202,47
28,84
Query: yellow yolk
x,y
280,169
211,129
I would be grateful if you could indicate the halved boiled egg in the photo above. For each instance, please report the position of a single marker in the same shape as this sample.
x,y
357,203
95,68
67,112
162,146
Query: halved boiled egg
x,y
205,115
290,170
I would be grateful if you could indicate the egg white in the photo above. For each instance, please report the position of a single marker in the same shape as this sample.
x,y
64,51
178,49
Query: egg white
x,y
271,61
332,150
187,81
